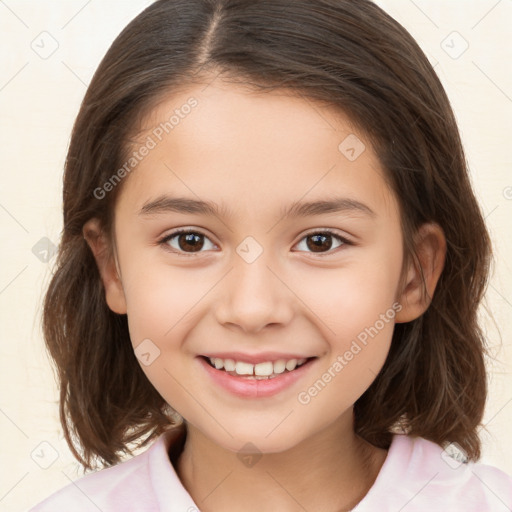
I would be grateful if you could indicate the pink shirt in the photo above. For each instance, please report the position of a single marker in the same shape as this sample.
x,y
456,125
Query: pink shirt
x,y
417,476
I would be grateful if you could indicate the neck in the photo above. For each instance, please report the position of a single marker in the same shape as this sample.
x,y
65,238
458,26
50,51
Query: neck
x,y
331,471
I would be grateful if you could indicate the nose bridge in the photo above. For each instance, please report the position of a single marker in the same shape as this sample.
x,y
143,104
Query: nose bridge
x,y
253,295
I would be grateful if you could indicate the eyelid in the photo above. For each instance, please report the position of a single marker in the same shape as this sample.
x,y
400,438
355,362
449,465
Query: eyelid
x,y
341,237
178,231
346,241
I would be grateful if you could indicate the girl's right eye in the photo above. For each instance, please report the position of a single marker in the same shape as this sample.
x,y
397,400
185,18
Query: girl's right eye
x,y
185,239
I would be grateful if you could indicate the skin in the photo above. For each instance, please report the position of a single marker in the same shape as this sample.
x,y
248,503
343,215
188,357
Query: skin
x,y
257,153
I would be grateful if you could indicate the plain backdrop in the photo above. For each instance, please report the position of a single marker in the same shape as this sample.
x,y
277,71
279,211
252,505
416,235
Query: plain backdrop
x,y
49,52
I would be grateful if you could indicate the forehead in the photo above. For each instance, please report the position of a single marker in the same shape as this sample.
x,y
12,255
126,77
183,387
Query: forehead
x,y
244,149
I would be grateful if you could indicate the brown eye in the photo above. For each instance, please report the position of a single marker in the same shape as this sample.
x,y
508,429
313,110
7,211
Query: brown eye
x,y
190,242
322,242
186,241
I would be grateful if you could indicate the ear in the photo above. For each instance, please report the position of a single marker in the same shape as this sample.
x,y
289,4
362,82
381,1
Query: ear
x,y
421,281
107,265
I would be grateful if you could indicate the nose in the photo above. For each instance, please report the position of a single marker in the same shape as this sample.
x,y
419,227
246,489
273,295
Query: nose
x,y
254,296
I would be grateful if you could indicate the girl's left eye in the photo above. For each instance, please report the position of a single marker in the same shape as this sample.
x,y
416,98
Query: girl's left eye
x,y
187,242
318,240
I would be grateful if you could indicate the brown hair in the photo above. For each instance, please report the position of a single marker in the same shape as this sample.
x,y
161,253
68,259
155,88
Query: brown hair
x,y
351,55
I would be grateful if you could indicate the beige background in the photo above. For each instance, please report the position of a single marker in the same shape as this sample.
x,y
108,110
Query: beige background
x,y
39,98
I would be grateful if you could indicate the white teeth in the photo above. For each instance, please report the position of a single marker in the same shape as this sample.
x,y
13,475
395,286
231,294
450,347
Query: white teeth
x,y
265,369
291,364
279,366
229,365
244,368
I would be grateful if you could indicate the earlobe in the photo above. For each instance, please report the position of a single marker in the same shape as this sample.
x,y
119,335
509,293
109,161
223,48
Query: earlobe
x,y
423,275
105,260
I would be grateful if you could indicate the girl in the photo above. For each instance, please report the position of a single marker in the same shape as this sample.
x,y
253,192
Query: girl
x,y
270,269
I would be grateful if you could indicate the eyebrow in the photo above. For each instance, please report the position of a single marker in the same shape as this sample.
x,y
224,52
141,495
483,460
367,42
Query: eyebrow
x,y
165,204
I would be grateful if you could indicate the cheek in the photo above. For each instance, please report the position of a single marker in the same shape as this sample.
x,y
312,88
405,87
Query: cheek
x,y
163,303
357,307
352,297
357,333
161,300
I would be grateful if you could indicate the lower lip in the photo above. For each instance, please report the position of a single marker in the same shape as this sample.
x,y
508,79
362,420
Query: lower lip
x,y
255,388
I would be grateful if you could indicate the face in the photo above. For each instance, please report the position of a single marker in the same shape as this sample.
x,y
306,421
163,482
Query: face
x,y
253,283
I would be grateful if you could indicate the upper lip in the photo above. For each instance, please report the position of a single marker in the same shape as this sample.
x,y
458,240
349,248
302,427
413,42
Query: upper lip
x,y
261,357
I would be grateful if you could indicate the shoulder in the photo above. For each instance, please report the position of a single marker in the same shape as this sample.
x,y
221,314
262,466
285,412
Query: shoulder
x,y
120,485
142,483
419,475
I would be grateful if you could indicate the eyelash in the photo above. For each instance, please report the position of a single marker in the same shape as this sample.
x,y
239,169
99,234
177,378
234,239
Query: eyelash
x,y
164,241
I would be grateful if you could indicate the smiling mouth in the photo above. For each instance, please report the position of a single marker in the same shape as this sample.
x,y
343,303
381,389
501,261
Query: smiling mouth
x,y
259,371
